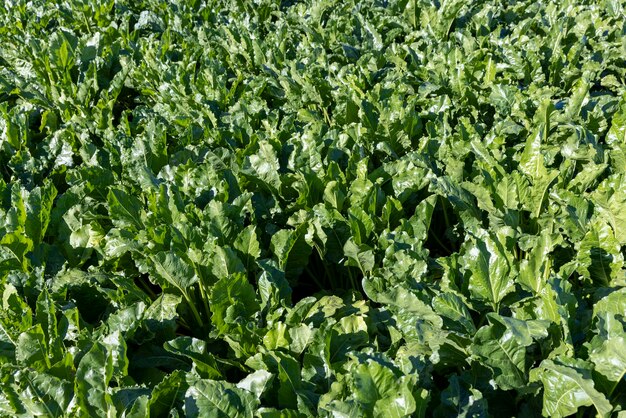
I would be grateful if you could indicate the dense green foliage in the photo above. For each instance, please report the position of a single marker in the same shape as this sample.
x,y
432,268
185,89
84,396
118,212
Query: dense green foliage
x,y
377,208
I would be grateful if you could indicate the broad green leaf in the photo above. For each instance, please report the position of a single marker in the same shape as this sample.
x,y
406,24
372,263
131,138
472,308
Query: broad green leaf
x,y
611,205
93,374
168,393
334,195
532,160
46,317
124,209
247,243
616,138
44,395
196,350
232,300
452,307
606,348
126,320
61,50
13,250
264,166
490,268
256,382
379,390
289,375
160,316
216,399
534,270
272,286
508,193
599,258
361,224
225,262
423,217
38,206
171,270
565,390
460,199
350,333
292,250
139,408
609,358
32,349
505,353
361,256
461,401
117,348
276,337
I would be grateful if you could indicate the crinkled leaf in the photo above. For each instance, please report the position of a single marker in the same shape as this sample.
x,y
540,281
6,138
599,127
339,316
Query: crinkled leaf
x,y
211,398
490,267
565,390
93,374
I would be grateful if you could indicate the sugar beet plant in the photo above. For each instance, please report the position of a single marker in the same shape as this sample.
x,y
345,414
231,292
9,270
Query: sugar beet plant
x,y
378,208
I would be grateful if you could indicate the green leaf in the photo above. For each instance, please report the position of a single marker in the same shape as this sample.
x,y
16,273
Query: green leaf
x,y
616,138
168,393
381,392
452,307
38,206
609,358
170,270
536,267
256,382
44,395
160,316
599,258
420,221
505,353
264,167
461,401
61,51
489,265
215,399
13,250
117,350
334,195
272,286
565,390
289,375
46,317
508,192
124,209
361,256
196,350
292,250
460,199
232,300
225,262
606,348
93,374
361,224
139,408
532,160
247,243
350,333
610,199
32,349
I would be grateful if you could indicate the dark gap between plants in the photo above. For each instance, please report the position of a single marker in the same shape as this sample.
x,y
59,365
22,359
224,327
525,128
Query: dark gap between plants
x,y
442,239
321,276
